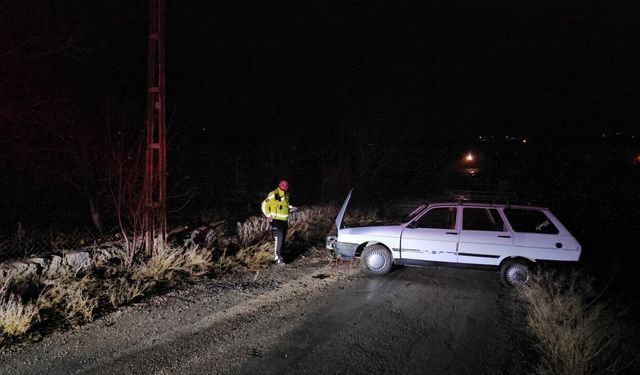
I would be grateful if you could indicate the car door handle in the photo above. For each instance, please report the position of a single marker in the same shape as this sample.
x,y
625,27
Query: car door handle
x,y
456,233
504,236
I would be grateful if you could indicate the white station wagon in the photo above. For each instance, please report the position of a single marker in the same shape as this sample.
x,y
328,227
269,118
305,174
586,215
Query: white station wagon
x,y
510,237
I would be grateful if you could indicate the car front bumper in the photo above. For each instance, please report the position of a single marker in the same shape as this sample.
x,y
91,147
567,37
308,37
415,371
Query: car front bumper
x,y
344,250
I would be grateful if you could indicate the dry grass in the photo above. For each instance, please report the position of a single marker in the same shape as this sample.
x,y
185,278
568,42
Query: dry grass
x,y
168,262
225,263
576,332
74,299
256,256
307,225
122,291
15,317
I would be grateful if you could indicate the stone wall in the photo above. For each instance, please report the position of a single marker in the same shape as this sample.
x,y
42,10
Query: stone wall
x,y
51,266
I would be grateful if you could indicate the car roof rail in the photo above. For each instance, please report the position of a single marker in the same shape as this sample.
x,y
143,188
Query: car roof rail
x,y
481,196
461,196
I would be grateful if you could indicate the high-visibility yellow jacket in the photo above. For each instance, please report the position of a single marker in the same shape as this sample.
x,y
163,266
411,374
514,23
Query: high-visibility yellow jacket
x,y
276,205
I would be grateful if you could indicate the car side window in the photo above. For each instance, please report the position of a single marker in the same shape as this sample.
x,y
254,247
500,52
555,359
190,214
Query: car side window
x,y
487,219
530,221
438,218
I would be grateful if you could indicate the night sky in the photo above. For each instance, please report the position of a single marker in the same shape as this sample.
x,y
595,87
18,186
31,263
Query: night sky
x,y
468,66
313,78
504,67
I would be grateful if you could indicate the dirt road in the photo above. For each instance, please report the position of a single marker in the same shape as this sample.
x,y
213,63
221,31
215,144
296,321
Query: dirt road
x,y
309,317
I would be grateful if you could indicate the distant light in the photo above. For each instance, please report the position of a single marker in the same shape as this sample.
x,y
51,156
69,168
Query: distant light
x,y
524,140
471,171
469,157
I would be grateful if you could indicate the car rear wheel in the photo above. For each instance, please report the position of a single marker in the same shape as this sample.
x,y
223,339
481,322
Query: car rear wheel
x,y
376,260
515,272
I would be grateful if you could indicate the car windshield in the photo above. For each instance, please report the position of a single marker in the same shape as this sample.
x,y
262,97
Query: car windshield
x,y
413,214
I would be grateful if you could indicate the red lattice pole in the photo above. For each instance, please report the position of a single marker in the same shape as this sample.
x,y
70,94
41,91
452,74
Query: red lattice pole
x,y
155,178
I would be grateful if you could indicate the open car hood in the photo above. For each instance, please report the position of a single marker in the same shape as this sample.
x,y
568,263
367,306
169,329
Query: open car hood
x,y
342,211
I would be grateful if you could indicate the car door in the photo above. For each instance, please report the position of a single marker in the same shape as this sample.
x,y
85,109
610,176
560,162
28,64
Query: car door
x,y
431,236
484,237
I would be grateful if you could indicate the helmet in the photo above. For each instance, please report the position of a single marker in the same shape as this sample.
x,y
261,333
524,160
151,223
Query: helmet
x,y
283,185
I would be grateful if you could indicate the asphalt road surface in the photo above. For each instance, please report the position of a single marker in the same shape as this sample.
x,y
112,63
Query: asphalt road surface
x,y
413,320
305,318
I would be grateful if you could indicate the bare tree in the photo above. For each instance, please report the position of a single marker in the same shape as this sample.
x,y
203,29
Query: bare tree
x,y
125,169
50,138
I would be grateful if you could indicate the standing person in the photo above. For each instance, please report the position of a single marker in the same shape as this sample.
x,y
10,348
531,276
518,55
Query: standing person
x,y
276,209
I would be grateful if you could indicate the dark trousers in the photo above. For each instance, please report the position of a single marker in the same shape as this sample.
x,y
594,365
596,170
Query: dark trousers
x,y
279,231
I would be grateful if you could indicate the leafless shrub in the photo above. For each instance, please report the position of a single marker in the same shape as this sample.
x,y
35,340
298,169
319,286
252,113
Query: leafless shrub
x,y
217,237
577,332
255,229
312,223
168,261
125,161
74,299
213,236
360,216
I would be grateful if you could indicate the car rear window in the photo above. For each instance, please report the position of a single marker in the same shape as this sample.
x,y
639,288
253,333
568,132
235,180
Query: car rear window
x,y
530,221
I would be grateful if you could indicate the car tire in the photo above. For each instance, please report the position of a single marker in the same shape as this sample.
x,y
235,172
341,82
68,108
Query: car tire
x,y
376,260
514,272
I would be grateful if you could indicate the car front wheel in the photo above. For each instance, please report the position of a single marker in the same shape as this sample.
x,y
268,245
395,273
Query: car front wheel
x,y
376,260
515,272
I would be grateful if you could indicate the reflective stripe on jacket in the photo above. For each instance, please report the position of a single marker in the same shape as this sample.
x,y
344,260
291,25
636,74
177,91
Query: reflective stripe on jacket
x,y
276,205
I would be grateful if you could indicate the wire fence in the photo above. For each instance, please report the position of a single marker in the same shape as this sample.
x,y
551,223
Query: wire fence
x,y
22,243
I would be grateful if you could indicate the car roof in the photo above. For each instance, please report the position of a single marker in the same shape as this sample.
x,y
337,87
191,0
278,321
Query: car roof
x,y
484,198
485,204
